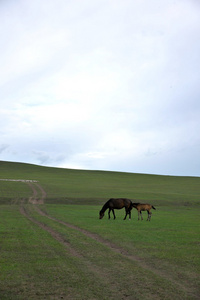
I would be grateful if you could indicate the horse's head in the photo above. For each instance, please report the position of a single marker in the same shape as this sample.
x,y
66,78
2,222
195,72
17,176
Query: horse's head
x,y
101,214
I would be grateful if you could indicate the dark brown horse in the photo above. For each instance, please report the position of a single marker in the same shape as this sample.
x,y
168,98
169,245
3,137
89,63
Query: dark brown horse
x,y
142,207
116,204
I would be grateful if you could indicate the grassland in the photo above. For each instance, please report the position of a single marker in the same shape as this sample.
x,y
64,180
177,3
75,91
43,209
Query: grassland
x,y
59,249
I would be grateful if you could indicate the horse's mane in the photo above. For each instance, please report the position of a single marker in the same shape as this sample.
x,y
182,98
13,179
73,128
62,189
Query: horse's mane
x,y
104,207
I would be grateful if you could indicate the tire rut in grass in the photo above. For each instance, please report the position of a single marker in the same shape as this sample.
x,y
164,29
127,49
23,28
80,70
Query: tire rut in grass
x,y
94,270
35,200
35,197
52,232
91,235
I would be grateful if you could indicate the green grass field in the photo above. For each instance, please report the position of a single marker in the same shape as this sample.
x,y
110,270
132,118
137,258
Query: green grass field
x,y
59,249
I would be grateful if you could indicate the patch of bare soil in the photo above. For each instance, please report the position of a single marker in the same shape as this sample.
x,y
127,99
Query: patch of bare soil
x,y
35,198
44,194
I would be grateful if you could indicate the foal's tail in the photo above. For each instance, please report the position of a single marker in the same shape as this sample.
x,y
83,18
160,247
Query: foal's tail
x,y
153,207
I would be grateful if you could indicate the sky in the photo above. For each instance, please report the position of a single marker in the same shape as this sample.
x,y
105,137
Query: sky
x,y
101,85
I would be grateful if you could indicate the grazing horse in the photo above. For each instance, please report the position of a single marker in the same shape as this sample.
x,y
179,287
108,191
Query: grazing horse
x,y
142,207
116,204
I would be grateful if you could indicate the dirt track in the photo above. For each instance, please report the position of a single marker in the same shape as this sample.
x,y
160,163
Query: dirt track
x,y
35,199
53,233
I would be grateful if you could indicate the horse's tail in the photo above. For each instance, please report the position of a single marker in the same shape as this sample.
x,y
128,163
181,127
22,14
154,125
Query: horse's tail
x,y
153,207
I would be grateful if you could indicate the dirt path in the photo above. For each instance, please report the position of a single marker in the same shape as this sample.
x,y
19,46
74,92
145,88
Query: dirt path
x,y
91,268
35,198
91,235
53,233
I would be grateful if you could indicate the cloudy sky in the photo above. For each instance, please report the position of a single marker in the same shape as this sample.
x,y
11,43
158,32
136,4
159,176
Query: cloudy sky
x,y
101,85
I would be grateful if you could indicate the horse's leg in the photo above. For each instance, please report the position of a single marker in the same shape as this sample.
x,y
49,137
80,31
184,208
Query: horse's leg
x,y
141,216
148,216
109,213
129,214
113,214
126,210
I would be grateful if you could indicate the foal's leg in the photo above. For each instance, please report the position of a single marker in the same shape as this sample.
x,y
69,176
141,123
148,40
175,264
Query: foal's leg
x,y
150,213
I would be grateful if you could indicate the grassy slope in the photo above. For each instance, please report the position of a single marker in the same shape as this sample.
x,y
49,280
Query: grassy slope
x,y
35,266
92,187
